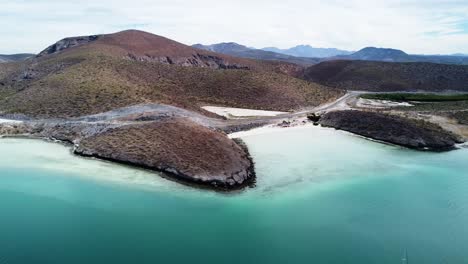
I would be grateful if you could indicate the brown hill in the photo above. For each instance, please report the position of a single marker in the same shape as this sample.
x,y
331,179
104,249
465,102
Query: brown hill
x,y
177,147
387,76
88,75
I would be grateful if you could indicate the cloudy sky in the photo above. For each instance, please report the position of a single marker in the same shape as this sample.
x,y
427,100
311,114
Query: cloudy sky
x,y
416,26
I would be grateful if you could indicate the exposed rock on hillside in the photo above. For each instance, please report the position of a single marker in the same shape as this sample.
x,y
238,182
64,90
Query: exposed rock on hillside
x,y
196,60
397,130
67,43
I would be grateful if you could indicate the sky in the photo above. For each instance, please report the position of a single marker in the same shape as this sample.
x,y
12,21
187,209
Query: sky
x,y
415,26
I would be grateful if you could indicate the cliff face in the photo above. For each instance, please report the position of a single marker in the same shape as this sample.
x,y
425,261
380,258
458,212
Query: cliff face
x,y
67,43
397,130
195,60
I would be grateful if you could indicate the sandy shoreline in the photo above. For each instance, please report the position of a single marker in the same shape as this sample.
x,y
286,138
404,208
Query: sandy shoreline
x,y
44,154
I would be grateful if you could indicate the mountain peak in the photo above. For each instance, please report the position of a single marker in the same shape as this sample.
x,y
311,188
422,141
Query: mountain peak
x,y
382,50
380,54
302,46
224,47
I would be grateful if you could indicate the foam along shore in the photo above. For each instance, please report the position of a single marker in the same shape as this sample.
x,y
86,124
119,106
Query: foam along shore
x,y
269,129
44,155
233,113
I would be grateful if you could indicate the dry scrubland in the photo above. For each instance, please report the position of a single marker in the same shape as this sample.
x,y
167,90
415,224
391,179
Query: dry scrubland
x,y
411,133
389,76
134,67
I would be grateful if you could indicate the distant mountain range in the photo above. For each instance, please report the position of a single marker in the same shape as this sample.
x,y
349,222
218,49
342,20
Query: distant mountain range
x,y
237,50
460,55
309,51
15,57
394,55
307,55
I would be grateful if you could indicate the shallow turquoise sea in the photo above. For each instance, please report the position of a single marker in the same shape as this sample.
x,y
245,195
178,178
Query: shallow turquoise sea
x,y
321,197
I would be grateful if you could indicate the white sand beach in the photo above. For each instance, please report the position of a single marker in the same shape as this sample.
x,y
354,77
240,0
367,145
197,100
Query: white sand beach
x,y
234,113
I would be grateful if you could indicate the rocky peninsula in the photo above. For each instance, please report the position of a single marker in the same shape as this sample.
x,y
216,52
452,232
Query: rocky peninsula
x,y
179,147
185,146
410,133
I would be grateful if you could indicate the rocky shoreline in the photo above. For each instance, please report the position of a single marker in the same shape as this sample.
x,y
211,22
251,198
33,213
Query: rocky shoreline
x,y
409,133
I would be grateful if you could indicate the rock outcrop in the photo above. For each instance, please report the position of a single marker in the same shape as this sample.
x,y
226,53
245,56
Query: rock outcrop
x,y
67,43
393,129
195,60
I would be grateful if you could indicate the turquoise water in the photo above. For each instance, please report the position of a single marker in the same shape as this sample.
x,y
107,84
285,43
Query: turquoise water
x,y
321,197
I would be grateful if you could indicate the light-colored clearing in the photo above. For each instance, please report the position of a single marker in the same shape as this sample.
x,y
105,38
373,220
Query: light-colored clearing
x,y
233,113
371,103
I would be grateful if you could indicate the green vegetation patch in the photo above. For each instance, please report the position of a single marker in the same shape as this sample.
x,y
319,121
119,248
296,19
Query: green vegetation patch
x,y
417,97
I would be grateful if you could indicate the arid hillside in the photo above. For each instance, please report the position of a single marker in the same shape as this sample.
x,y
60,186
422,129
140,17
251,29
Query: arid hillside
x,y
386,76
88,75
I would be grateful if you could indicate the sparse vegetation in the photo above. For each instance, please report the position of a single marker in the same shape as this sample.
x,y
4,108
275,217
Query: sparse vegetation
x,y
185,150
99,77
411,133
386,76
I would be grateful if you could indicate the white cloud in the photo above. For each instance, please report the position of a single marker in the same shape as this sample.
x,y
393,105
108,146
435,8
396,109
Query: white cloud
x,y
429,26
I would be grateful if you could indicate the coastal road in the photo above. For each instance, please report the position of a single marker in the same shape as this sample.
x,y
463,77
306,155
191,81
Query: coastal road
x,y
154,112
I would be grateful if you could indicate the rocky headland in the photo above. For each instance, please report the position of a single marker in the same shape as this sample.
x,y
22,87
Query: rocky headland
x,y
185,146
410,133
179,147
